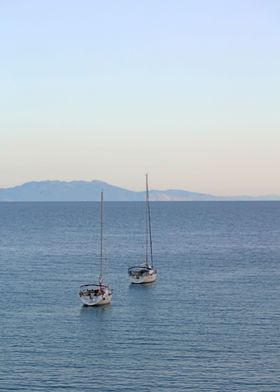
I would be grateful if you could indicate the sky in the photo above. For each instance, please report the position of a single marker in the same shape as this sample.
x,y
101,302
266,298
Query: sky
x,y
187,90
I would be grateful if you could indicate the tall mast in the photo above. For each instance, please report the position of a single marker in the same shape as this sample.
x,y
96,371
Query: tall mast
x,y
101,240
148,225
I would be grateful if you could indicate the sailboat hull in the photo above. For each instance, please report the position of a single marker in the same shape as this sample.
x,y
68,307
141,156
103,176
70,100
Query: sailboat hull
x,y
140,276
101,300
94,295
145,279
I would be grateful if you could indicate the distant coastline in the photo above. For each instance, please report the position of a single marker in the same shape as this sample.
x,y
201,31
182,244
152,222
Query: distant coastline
x,y
90,191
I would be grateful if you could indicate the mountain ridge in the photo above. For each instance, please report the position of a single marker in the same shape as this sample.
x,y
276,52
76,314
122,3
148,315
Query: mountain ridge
x,y
80,190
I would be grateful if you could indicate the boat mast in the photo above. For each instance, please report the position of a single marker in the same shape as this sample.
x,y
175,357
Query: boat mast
x,y
101,240
148,225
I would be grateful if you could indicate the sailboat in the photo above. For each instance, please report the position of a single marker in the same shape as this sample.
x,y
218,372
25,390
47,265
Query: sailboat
x,y
93,294
145,273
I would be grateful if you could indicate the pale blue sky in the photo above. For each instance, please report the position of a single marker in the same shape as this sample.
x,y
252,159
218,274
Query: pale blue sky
x,y
185,89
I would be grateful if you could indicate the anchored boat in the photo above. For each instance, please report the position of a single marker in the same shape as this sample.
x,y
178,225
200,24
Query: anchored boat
x,y
93,294
146,272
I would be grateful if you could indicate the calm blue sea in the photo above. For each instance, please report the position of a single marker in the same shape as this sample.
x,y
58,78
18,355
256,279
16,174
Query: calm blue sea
x,y
211,322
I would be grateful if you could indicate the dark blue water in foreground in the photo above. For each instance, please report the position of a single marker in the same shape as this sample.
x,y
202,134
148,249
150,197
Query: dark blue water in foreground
x,y
211,322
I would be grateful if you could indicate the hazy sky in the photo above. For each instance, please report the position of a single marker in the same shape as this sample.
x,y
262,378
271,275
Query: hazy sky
x,y
188,90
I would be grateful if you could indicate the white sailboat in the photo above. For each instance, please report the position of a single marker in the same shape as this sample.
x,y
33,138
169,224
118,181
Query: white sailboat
x,y
145,273
93,294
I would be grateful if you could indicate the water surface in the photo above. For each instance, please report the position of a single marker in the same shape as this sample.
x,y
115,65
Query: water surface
x,y
209,323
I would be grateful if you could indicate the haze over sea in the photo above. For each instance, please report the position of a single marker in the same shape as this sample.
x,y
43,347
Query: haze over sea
x,y
209,323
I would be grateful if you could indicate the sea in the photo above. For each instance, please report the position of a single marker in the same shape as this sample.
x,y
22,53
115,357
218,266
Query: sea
x,y
211,321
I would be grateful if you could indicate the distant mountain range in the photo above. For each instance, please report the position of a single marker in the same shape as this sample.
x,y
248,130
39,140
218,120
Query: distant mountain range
x,y
90,191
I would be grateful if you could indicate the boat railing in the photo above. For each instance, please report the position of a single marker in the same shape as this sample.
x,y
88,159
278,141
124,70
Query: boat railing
x,y
139,268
